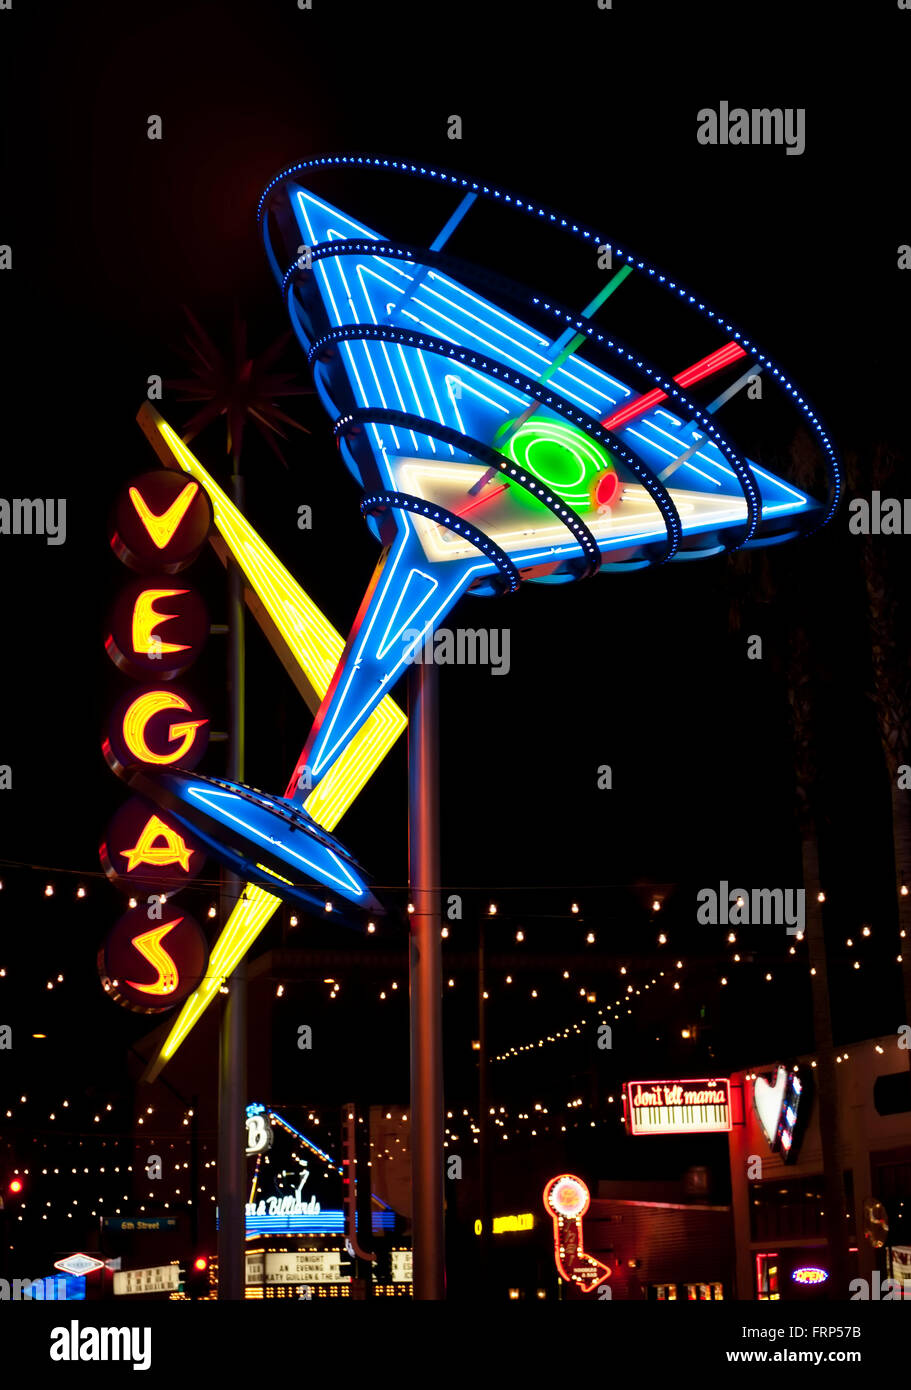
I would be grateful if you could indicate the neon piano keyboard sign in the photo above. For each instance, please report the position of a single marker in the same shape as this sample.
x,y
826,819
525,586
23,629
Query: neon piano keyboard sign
x,y
678,1107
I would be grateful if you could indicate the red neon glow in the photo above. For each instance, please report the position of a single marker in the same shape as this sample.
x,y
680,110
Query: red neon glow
x,y
148,944
706,366
136,720
200,1263
145,621
161,527
766,1276
15,1185
605,489
479,501
174,850
567,1199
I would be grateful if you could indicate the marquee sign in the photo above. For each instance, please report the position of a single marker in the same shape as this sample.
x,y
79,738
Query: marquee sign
x,y
157,629
160,522
567,1199
148,964
159,1279
306,1267
678,1107
142,846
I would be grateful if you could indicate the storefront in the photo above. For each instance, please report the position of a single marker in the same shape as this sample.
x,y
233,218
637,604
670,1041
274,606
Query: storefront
x,y
776,1173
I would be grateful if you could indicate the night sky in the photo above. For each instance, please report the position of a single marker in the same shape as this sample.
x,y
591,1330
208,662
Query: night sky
x,y
593,113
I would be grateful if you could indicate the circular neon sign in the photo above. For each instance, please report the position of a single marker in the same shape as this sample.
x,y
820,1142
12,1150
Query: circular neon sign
x,y
160,522
567,1196
150,963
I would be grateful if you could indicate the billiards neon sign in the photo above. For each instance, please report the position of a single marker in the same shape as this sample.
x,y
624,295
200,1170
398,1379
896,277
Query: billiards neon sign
x,y
566,1200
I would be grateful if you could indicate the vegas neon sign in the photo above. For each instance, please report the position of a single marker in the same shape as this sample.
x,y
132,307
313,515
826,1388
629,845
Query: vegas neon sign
x,y
151,960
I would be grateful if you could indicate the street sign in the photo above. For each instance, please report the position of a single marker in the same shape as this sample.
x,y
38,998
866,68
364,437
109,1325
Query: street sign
x,y
139,1223
79,1265
159,1279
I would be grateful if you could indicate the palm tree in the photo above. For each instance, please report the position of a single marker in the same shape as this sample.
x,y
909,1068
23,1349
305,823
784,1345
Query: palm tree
x,y
796,660
801,699
891,694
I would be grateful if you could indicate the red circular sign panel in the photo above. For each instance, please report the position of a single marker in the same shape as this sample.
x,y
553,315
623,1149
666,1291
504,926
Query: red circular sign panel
x,y
150,963
157,628
144,848
160,522
156,727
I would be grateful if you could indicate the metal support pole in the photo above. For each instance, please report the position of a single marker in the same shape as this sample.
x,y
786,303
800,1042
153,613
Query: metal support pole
x,y
425,983
486,1203
194,1172
232,1051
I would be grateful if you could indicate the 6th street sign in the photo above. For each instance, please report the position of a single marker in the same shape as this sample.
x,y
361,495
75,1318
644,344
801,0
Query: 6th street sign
x,y
139,1223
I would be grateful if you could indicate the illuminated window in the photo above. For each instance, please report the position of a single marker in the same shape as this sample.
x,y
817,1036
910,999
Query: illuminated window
x,y
702,1293
767,1278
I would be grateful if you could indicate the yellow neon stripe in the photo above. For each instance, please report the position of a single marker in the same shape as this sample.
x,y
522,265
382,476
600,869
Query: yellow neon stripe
x,y
317,648
244,925
267,870
312,640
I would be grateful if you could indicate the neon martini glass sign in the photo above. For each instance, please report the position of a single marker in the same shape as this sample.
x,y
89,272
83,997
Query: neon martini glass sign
x,y
488,452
